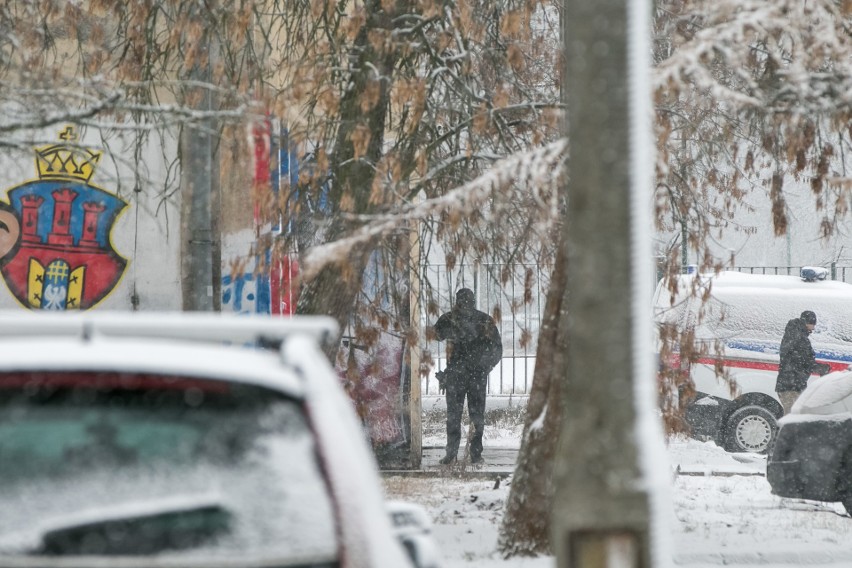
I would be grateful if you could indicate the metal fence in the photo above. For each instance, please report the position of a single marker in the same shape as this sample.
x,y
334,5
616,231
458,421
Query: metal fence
x,y
516,293
836,272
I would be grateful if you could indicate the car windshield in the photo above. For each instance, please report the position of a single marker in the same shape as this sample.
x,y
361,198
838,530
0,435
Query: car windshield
x,y
229,468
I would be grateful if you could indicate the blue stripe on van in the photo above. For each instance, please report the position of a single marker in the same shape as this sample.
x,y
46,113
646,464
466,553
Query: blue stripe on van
x,y
772,348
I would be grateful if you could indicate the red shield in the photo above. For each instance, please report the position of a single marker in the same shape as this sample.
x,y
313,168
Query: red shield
x,y
63,258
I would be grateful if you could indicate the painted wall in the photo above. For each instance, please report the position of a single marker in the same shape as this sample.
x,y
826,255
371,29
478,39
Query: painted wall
x,y
84,226
255,278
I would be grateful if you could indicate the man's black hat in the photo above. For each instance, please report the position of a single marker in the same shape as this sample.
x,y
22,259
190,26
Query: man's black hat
x,y
465,298
808,317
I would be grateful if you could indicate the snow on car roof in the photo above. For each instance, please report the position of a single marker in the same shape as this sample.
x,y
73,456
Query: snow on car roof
x,y
193,344
206,345
841,416
154,356
824,392
198,326
732,278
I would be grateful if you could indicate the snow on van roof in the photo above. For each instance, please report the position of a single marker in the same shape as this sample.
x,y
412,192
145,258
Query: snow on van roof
x,y
734,278
757,306
730,282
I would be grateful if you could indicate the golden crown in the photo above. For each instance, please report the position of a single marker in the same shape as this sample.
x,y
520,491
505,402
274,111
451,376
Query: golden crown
x,y
66,160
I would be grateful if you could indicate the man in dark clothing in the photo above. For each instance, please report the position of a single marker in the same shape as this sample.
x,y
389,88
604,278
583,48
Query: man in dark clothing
x,y
474,349
797,360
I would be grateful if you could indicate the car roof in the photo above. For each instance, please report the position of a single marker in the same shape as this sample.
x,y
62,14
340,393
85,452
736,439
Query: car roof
x,y
200,345
825,395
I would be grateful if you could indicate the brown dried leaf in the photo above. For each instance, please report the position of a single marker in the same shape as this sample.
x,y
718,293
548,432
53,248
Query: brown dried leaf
x,y
481,120
779,206
515,57
370,95
510,23
360,140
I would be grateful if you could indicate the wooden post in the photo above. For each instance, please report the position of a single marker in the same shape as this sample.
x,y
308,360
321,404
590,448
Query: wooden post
x,y
415,406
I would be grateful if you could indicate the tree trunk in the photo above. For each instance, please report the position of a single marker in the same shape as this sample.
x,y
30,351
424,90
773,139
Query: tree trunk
x,y
333,292
525,530
335,289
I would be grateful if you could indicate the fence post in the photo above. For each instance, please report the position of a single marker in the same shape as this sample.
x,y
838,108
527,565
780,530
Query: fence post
x,y
834,270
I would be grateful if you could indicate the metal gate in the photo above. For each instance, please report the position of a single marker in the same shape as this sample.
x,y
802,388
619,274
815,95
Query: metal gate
x,y
515,294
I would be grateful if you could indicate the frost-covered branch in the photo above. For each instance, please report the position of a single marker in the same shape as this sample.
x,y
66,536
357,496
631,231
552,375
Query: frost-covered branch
x,y
802,50
534,172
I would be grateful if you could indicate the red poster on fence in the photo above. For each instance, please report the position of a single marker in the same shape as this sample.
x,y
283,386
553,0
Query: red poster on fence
x,y
376,387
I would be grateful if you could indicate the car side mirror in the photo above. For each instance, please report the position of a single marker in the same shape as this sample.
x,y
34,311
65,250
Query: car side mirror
x,y
412,528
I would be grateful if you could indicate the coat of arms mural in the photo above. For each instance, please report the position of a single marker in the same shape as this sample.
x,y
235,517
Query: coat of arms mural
x,y
56,251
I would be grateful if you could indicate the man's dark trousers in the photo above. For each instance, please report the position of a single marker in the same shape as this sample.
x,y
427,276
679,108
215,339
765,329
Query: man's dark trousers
x,y
473,386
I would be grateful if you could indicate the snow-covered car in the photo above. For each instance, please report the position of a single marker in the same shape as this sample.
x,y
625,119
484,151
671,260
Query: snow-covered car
x,y
811,457
746,315
413,528
198,439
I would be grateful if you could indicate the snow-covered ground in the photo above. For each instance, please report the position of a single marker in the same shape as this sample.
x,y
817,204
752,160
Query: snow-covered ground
x,y
723,514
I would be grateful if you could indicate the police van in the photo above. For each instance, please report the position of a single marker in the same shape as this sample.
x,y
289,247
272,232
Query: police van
x,y
738,320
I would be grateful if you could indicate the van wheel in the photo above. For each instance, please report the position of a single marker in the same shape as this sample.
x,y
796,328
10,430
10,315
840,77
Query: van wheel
x,y
750,429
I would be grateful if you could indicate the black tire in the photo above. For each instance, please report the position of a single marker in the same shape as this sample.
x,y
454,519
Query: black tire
x,y
750,429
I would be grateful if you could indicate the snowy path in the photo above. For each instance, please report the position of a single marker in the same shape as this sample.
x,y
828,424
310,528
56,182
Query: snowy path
x,y
723,514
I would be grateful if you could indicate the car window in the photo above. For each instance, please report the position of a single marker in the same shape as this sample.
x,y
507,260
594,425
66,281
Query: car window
x,y
94,449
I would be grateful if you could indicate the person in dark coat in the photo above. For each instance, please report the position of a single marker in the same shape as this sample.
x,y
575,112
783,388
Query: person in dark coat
x,y
474,349
797,360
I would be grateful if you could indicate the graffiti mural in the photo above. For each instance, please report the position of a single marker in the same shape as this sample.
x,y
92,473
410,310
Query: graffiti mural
x,y
55,232
245,293
268,284
271,291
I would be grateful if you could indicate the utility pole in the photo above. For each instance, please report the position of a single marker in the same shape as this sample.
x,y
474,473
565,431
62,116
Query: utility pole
x,y
604,490
199,191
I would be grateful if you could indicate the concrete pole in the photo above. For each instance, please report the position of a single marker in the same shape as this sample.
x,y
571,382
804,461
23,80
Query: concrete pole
x,y
601,516
199,182
196,186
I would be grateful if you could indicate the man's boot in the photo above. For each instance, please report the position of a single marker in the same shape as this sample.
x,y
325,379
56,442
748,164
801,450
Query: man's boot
x,y
448,459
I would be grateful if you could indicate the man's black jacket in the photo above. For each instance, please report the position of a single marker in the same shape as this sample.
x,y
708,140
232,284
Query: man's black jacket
x,y
797,358
476,343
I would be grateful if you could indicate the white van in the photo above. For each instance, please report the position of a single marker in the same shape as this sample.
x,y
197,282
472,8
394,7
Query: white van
x,y
747,314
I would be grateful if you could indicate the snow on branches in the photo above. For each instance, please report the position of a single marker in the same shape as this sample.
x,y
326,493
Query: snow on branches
x,y
534,173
